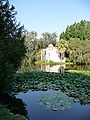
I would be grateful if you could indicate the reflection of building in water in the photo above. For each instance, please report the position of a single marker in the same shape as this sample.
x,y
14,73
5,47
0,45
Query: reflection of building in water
x,y
54,68
51,53
61,69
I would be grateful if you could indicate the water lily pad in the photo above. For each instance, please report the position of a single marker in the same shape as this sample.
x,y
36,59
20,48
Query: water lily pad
x,y
55,101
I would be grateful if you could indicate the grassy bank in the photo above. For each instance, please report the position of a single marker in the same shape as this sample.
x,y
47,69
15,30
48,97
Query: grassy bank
x,y
80,71
6,114
52,63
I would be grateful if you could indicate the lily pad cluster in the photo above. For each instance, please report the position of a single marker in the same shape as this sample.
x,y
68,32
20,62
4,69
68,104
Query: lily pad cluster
x,y
75,84
56,101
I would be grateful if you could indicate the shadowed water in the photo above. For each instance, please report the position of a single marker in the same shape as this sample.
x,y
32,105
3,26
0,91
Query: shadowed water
x,y
37,111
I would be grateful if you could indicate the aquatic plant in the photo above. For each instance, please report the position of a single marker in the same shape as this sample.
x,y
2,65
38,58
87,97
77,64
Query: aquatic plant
x,y
72,83
56,101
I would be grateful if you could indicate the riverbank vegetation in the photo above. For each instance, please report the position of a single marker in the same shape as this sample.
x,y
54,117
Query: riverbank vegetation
x,y
6,114
52,63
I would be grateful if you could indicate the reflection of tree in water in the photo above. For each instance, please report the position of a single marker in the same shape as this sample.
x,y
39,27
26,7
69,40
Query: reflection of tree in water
x,y
15,105
26,67
78,67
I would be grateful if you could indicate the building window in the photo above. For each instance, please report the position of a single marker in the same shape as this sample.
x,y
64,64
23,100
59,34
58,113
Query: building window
x,y
45,53
62,56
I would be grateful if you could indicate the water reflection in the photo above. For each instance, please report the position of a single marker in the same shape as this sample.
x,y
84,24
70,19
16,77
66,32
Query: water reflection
x,y
63,68
54,68
78,67
38,112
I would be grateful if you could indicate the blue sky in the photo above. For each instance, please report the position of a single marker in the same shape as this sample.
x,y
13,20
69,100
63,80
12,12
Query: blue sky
x,y
50,15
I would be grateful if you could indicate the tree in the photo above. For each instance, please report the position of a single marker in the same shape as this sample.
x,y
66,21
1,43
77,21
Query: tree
x,y
34,46
31,44
50,38
79,51
79,30
62,45
12,47
78,37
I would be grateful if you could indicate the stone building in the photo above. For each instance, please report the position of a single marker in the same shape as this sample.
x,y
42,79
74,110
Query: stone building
x,y
51,53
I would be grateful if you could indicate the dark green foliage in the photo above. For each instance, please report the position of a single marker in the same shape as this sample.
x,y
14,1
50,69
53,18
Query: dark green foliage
x,y
79,51
79,30
6,114
78,37
75,84
15,105
11,43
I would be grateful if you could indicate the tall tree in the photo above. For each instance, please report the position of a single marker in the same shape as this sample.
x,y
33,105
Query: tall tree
x,y
50,38
12,47
79,51
31,46
78,37
62,45
79,30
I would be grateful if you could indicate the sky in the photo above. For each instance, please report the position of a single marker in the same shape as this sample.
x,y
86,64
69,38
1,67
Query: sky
x,y
50,15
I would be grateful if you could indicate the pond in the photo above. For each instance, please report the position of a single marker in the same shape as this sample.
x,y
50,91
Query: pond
x,y
53,105
54,68
50,95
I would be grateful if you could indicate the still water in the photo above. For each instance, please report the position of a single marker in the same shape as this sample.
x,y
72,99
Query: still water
x,y
50,104
41,111
55,68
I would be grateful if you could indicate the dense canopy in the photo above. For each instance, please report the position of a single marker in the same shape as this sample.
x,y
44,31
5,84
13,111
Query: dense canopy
x,y
78,37
11,42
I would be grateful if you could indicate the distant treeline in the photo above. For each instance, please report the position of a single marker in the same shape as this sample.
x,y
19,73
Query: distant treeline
x,y
77,36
